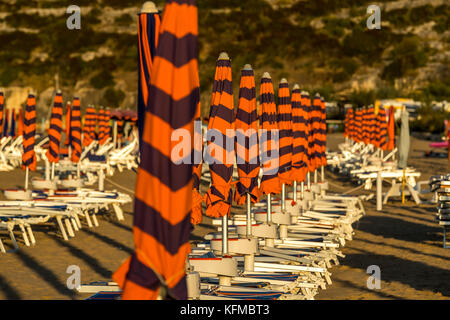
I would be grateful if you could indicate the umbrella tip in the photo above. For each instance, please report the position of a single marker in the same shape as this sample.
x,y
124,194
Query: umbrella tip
x,y
296,87
58,91
266,75
223,56
284,80
31,92
247,67
149,7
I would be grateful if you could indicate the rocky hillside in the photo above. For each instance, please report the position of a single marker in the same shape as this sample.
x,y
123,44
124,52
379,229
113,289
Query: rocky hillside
x,y
324,45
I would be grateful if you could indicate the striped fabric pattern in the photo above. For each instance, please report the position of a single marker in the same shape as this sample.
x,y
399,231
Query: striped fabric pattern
x,y
372,124
383,127
300,136
306,102
247,151
285,133
75,130
54,132
29,132
2,106
148,35
316,119
221,137
89,126
163,198
269,139
365,126
323,133
358,125
101,125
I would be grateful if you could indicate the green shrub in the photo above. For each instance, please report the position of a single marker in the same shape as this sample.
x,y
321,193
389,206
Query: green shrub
x,y
102,80
429,120
113,98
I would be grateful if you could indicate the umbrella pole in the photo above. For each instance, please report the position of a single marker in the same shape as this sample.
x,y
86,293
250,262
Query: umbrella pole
x,y
403,186
302,188
308,177
115,134
47,170
26,178
249,216
322,173
283,197
269,208
315,176
224,235
294,189
53,171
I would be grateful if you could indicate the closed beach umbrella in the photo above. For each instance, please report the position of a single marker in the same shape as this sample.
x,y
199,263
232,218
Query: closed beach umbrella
x,y
404,142
221,150
163,197
269,140
75,130
316,119
306,103
2,105
148,34
358,125
89,126
323,133
382,125
54,132
285,133
300,132
391,129
247,151
29,132
101,125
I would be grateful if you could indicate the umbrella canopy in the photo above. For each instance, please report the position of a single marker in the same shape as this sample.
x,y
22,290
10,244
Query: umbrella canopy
x,y
220,136
163,199
372,125
403,145
54,132
12,131
269,139
2,105
323,133
103,126
75,130
306,103
247,153
391,129
29,132
148,36
382,132
316,119
67,128
300,132
20,123
358,126
89,126
285,133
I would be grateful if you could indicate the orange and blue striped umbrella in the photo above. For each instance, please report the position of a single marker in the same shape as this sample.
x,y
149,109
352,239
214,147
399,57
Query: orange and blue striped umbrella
x,y
306,103
2,105
29,132
316,119
89,126
163,200
372,125
358,125
247,151
221,141
101,125
54,132
391,129
269,139
285,133
300,132
349,133
75,130
148,34
323,133
383,126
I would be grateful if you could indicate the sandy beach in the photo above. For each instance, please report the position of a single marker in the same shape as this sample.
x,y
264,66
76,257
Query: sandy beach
x,y
404,241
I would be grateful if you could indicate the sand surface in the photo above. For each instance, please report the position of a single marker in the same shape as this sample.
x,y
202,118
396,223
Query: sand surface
x,y
404,241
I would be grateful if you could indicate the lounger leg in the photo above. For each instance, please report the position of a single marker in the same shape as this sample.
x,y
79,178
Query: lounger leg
x,y
13,239
94,218
61,228
119,212
77,220
2,248
88,219
69,228
30,233
74,223
24,234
